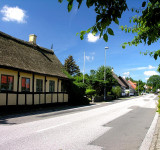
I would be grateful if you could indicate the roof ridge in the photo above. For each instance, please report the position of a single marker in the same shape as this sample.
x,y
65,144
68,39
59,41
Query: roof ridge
x,y
26,43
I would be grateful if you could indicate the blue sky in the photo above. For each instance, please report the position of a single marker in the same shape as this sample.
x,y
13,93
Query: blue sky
x,y
52,24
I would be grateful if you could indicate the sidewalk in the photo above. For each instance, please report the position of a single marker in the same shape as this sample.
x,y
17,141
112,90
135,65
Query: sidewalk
x,y
155,145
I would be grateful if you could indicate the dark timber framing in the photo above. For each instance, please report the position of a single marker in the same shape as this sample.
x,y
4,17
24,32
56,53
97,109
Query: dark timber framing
x,y
33,89
33,93
57,89
6,98
17,87
45,80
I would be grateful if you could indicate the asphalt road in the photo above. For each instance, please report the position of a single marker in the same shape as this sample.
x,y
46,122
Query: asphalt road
x,y
118,126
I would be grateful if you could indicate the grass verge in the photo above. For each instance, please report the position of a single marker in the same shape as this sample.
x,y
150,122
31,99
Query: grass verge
x,y
158,105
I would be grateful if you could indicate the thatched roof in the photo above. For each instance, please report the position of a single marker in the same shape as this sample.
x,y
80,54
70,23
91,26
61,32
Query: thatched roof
x,y
118,80
125,82
19,54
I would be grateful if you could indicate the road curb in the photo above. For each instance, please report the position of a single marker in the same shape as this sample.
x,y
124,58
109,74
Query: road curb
x,y
155,145
147,142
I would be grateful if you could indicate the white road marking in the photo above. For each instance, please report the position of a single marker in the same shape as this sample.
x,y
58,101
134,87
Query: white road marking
x,y
53,127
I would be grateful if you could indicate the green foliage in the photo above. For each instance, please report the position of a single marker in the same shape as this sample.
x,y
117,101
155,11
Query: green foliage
x,y
141,86
70,66
144,4
76,92
116,91
107,11
158,105
154,82
146,26
105,37
90,92
158,69
95,80
110,31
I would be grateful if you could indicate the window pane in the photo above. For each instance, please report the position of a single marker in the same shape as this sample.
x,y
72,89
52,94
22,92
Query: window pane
x,y
62,87
4,79
51,86
27,84
23,84
39,85
7,82
10,83
4,82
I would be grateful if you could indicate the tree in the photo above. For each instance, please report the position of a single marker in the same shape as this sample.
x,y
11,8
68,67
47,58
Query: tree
x,y
158,68
71,67
131,79
107,11
99,80
140,86
154,82
146,25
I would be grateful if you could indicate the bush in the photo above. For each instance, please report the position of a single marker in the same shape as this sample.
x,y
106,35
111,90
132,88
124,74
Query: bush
x,y
76,92
116,91
90,92
108,93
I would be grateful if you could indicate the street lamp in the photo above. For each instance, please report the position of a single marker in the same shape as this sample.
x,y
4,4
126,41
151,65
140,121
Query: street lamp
x,y
138,87
105,74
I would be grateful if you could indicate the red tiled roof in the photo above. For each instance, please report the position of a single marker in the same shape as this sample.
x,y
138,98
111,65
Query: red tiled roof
x,y
132,84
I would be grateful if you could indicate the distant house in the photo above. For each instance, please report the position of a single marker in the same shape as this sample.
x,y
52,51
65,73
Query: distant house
x,y
129,88
134,85
121,84
29,74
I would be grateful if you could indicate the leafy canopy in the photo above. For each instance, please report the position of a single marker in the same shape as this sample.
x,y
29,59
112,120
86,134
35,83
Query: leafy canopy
x,y
146,24
107,11
154,81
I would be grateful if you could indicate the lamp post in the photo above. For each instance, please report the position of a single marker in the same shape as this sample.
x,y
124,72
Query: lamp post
x,y
138,87
105,74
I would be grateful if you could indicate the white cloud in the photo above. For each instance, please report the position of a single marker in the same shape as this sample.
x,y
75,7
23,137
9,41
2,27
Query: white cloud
x,y
89,58
126,74
150,73
92,38
13,14
151,67
143,68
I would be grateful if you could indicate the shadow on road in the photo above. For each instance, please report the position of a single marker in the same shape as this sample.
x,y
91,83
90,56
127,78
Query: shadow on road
x,y
127,131
22,114
8,113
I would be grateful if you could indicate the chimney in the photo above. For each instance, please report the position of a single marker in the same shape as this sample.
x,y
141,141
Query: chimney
x,y
32,38
112,70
